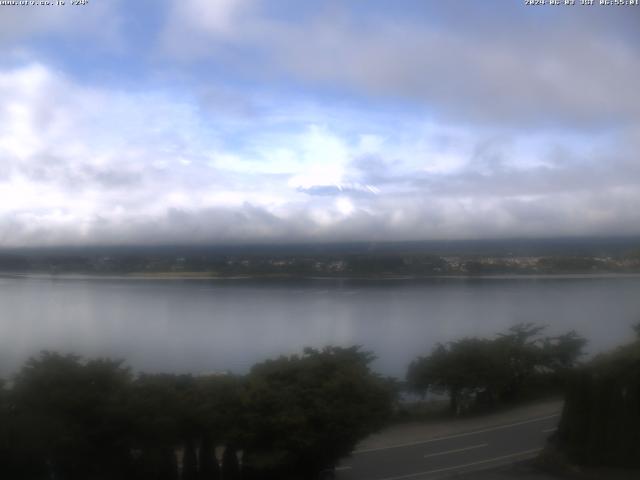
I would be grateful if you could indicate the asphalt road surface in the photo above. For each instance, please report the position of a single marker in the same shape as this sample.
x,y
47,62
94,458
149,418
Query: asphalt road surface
x,y
440,457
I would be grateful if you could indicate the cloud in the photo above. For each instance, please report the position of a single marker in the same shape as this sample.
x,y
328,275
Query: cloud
x,y
193,23
20,24
96,164
220,17
340,190
572,69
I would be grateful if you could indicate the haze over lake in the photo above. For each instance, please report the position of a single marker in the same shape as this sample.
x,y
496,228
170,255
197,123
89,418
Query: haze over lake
x,y
214,325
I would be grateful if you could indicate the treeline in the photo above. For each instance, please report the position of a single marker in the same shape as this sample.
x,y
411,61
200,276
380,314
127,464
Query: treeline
x,y
65,418
373,264
293,417
477,373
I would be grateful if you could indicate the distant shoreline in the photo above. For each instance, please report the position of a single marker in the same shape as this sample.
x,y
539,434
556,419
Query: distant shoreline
x,y
207,276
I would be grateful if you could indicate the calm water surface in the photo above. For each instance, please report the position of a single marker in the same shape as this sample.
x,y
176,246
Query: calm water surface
x,y
203,325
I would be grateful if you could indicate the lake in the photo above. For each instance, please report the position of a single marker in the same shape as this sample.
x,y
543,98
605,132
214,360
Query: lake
x,y
214,325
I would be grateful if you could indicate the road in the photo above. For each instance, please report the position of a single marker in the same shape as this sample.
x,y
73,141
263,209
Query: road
x,y
459,453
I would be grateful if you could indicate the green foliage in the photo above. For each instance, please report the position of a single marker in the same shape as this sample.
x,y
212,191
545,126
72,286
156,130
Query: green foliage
x,y
307,411
5,414
600,423
467,365
219,407
479,372
561,353
69,419
182,411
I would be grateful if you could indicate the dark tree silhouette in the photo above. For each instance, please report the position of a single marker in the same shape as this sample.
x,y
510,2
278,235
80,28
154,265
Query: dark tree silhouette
x,y
68,418
307,411
480,372
600,423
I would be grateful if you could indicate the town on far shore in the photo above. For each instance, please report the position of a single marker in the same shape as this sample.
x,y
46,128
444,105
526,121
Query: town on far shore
x,y
389,259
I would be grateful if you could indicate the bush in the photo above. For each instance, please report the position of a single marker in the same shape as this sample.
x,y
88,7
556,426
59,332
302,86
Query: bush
x,y
308,411
68,419
600,423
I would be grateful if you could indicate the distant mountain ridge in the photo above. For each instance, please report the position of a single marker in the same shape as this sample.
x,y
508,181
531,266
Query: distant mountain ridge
x,y
574,246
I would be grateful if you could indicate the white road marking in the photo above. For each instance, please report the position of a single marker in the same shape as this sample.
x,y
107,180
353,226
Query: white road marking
x,y
480,462
459,435
456,450
548,430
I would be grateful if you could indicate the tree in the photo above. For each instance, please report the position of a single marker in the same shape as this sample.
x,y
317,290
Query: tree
x,y
464,368
219,408
307,411
561,353
69,416
522,353
600,422
6,454
230,464
481,371
162,407
209,469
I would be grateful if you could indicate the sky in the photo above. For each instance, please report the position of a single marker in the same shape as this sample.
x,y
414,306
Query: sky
x,y
254,121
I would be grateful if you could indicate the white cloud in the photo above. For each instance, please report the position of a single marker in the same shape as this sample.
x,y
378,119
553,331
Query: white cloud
x,y
218,17
96,165
571,71
100,21
195,27
345,206
323,159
